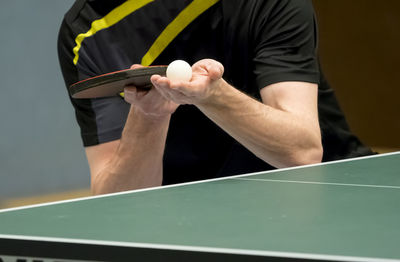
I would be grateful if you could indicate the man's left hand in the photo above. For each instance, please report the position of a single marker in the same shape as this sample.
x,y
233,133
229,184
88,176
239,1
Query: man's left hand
x,y
205,83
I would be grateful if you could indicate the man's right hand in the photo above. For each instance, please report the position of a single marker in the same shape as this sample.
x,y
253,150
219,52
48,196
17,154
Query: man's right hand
x,y
150,102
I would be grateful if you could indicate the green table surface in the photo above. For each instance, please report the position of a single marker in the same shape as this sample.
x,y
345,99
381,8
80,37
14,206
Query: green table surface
x,y
344,211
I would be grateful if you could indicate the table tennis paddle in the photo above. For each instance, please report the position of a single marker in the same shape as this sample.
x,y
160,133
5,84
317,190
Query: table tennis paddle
x,y
112,84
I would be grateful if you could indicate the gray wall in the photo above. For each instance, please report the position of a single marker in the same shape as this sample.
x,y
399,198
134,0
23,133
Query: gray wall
x,y
40,146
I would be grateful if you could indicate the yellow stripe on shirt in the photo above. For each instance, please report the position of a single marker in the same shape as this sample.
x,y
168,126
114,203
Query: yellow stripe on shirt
x,y
110,19
184,18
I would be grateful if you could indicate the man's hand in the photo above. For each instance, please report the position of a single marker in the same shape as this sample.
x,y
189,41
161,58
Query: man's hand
x,y
206,77
150,102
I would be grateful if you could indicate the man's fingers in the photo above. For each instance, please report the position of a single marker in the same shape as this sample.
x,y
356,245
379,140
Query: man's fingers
x,y
130,94
134,66
160,84
171,90
213,69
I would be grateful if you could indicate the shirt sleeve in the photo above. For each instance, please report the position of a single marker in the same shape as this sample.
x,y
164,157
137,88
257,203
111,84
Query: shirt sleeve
x,y
100,120
285,43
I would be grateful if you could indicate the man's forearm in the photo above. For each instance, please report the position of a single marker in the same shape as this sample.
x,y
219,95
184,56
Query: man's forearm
x,y
137,161
280,138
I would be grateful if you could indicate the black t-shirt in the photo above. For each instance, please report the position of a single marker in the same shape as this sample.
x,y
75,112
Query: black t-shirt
x,y
259,42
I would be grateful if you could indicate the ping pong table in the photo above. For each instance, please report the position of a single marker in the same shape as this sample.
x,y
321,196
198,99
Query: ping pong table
x,y
345,210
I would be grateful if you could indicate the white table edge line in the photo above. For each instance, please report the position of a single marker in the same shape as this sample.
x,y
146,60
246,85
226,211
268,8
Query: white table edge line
x,y
195,182
316,183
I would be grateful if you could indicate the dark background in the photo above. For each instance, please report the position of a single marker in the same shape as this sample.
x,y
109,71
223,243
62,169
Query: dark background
x,y
359,48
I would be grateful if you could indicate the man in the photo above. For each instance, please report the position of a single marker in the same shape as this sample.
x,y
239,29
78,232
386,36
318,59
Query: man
x,y
257,99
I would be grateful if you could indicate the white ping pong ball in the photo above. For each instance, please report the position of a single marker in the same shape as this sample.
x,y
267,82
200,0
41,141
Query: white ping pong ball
x,y
179,70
